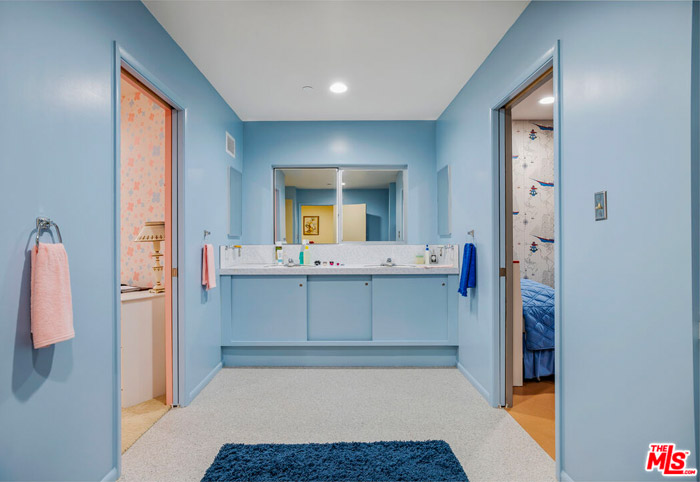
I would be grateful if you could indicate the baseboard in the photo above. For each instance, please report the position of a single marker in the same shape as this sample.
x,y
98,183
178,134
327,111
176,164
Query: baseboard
x,y
474,382
200,386
111,476
564,477
306,356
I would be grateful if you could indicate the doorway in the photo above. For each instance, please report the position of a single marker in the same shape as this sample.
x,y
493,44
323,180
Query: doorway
x,y
147,255
528,213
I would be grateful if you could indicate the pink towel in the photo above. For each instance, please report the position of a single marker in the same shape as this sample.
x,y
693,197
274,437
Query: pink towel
x,y
208,267
51,305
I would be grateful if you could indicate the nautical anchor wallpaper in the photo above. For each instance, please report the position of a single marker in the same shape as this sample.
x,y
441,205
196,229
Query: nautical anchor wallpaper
x,y
533,199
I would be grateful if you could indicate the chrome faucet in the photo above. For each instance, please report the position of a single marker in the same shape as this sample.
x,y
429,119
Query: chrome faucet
x,y
388,263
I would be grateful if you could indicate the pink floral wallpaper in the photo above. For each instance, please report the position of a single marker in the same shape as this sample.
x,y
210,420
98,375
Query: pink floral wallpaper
x,y
142,180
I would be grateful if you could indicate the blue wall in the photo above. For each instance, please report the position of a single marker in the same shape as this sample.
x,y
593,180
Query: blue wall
x,y
370,143
627,324
56,132
377,201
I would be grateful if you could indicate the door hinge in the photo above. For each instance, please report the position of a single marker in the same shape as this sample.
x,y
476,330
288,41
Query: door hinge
x,y
502,272
174,272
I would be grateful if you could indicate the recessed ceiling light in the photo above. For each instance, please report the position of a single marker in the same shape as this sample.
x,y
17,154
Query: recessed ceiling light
x,y
307,88
338,88
547,100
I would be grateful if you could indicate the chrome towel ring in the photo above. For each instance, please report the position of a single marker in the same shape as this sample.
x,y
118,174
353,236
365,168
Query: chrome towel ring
x,y
45,224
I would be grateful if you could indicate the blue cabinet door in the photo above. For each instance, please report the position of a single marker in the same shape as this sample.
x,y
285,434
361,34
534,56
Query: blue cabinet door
x,y
340,308
409,308
268,308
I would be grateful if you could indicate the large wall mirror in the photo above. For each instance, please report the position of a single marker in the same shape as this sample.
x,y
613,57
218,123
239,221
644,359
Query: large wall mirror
x,y
307,199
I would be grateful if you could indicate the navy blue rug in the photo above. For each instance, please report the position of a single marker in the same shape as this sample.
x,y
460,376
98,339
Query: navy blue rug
x,y
431,461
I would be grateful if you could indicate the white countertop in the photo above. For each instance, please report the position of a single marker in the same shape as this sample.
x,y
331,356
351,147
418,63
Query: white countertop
x,y
269,269
139,295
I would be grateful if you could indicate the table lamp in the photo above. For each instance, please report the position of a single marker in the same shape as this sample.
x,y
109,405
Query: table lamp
x,y
154,232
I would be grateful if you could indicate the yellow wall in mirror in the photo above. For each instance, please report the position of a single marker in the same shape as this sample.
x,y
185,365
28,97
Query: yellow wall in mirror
x,y
354,222
326,224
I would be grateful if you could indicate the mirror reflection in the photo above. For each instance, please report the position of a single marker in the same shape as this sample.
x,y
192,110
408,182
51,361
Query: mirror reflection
x,y
307,199
305,205
372,205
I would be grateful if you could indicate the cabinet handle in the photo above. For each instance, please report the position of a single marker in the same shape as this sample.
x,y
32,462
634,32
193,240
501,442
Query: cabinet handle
x,y
443,284
300,285
366,284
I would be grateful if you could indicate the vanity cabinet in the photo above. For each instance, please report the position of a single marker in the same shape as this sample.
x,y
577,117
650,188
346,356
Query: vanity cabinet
x,y
340,308
339,311
268,308
410,308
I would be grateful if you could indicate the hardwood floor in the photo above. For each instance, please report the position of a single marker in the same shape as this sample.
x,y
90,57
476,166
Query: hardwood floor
x,y
138,419
533,409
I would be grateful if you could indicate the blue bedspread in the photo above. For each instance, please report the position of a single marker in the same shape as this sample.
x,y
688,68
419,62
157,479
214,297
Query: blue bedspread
x,y
538,313
538,318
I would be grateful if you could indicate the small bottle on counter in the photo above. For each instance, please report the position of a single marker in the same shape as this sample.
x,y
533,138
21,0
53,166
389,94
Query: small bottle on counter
x,y
279,257
426,256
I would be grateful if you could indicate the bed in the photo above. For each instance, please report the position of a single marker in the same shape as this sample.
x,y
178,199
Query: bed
x,y
533,333
538,324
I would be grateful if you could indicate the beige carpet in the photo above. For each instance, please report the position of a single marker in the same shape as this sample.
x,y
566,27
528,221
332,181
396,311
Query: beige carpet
x,y
303,405
138,419
533,409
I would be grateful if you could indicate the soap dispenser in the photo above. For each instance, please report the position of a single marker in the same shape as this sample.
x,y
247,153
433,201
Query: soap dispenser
x,y
307,254
426,256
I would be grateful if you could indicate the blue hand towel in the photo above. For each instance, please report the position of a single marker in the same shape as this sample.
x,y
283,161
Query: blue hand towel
x,y
468,279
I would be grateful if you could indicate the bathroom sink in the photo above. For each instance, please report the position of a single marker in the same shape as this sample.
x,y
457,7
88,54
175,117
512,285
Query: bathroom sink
x,y
392,266
290,266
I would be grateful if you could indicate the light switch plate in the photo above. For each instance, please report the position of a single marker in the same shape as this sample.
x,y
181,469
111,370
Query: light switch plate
x,y
601,205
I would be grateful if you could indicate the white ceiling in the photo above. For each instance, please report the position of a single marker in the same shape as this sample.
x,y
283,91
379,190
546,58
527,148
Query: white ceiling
x,y
310,178
368,179
531,109
326,178
400,59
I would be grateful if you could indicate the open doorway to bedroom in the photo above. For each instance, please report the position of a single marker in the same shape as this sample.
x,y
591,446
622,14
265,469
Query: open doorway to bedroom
x,y
529,218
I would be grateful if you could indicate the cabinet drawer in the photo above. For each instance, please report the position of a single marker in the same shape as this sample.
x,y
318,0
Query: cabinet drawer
x,y
340,308
409,308
268,308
